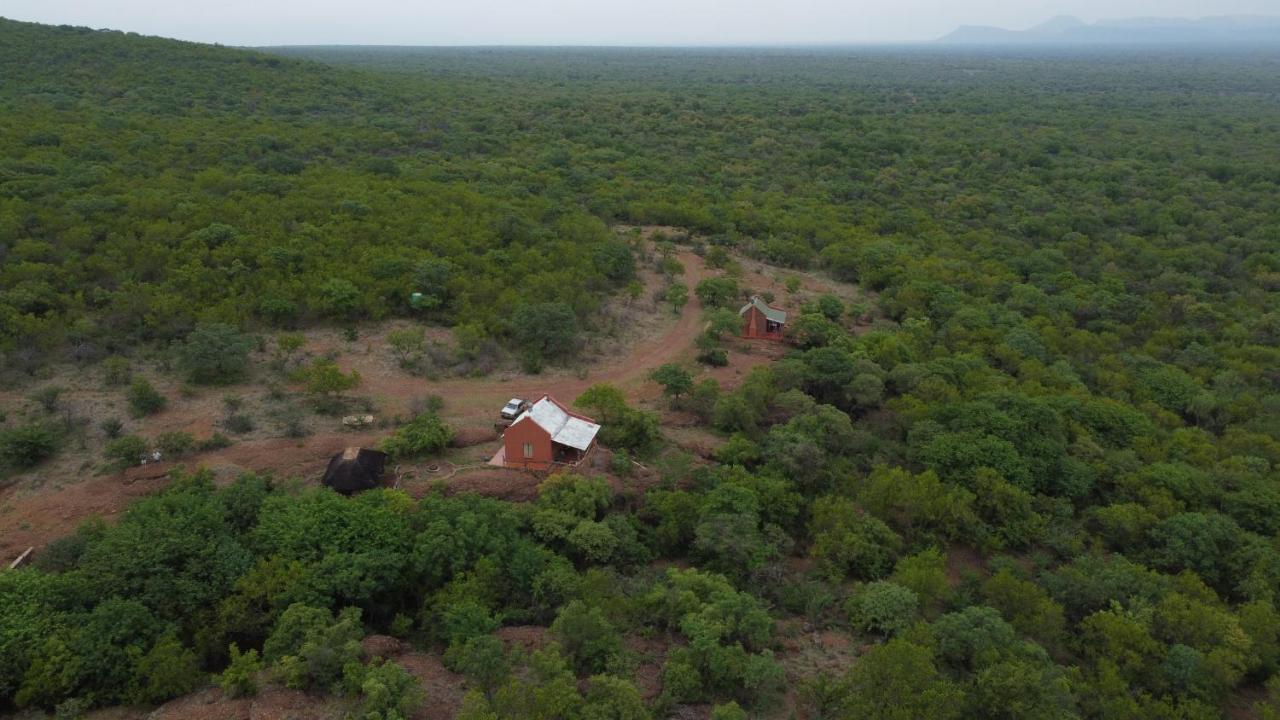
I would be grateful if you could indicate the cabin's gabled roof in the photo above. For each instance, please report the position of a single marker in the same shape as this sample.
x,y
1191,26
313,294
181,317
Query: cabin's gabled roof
x,y
563,426
777,316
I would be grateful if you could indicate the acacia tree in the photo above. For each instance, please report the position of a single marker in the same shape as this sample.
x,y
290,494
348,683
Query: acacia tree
x,y
675,381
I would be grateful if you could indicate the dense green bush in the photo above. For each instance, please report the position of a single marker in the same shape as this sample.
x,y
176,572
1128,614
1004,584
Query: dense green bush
x,y
27,445
425,434
144,399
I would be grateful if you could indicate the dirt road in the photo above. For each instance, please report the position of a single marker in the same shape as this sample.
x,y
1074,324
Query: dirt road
x,y
54,502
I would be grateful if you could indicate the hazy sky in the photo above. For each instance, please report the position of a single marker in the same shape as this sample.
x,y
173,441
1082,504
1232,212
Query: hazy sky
x,y
585,22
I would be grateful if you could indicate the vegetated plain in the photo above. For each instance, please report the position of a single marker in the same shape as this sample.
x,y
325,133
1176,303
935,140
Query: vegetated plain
x,y
1029,471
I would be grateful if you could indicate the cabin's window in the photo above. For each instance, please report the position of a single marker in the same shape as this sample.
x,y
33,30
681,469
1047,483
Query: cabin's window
x,y
528,450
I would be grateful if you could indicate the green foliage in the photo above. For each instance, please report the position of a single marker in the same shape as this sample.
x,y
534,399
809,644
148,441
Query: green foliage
x,y
726,632
483,660
166,671
545,330
621,425
674,379
883,607
324,379
425,434
48,396
175,444
27,445
1068,363
387,691
588,638
678,295
214,354
144,399
240,679
116,371
899,681
717,292
311,648
849,542
125,451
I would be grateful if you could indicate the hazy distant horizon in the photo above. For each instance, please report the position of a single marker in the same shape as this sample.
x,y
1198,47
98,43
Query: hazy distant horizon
x,y
587,22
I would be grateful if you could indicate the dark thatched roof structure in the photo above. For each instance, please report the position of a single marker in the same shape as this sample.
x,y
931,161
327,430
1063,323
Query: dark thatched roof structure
x,y
355,469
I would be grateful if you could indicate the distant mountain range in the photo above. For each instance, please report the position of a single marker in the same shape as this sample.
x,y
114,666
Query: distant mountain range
x,y
1067,30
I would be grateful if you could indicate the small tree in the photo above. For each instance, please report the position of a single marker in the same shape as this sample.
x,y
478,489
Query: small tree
x,y
675,381
214,354
325,380
407,344
717,291
678,296
722,321
240,679
115,371
144,399
287,347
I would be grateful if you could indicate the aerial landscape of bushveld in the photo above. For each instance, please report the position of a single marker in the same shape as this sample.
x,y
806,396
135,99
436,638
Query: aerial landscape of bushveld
x,y
700,360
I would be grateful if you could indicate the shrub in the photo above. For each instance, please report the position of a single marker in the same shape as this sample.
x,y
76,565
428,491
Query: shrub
x,y
387,690
728,711
715,357
240,679
167,671
214,354
310,647
424,434
125,451
483,660
238,423
217,441
407,345
112,427
27,445
325,379
144,399
48,397
175,444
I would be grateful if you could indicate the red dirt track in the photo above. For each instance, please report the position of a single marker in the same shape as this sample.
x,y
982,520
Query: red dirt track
x,y
52,502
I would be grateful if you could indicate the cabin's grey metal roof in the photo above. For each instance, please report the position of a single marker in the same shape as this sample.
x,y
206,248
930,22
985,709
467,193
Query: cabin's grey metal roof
x,y
777,316
560,425
577,433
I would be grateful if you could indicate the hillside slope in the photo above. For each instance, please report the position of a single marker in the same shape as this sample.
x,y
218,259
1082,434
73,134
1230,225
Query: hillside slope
x,y
148,184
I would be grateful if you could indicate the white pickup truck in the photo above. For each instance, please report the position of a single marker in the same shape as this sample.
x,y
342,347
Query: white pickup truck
x,y
513,408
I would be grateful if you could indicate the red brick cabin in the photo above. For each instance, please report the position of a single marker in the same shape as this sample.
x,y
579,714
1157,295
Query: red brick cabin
x,y
546,435
761,322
